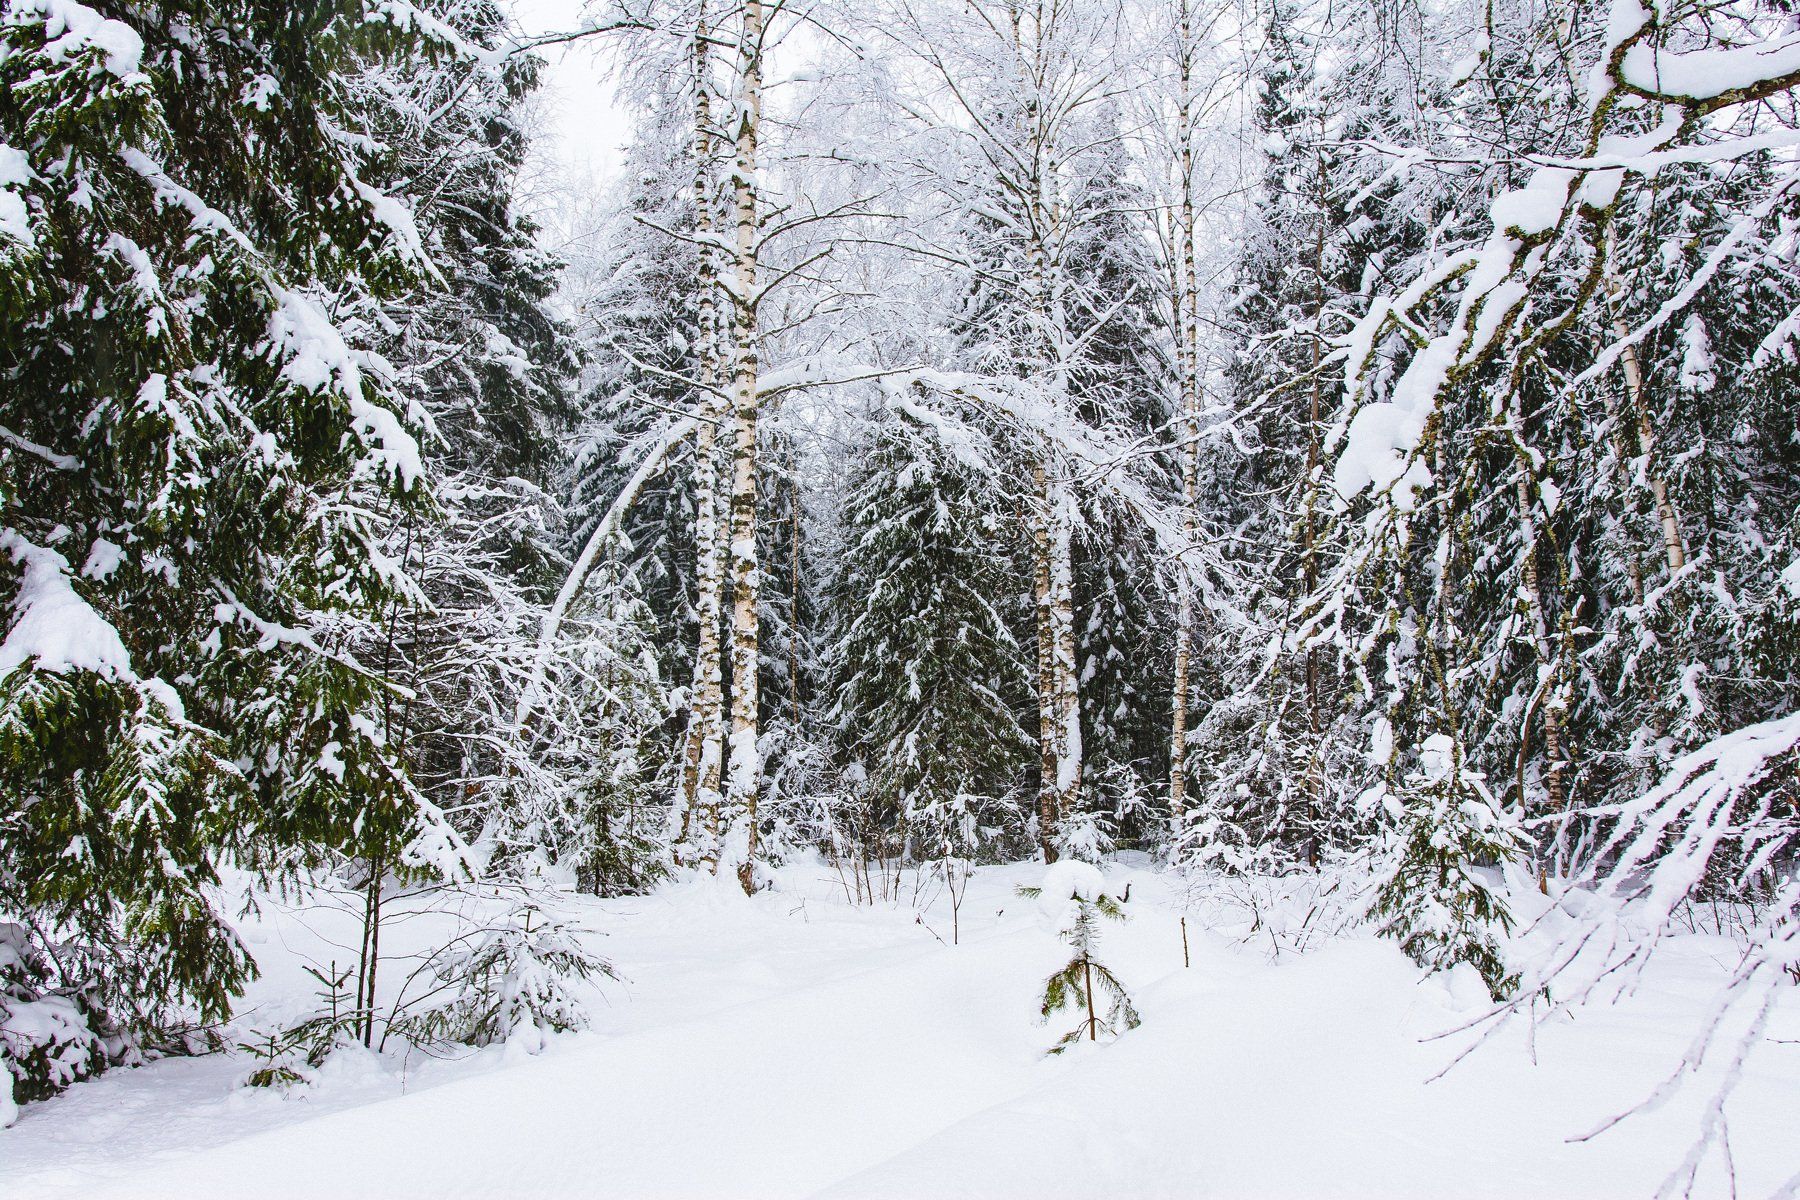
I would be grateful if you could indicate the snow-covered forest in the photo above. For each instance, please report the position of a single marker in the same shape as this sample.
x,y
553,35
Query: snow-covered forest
x,y
1029,598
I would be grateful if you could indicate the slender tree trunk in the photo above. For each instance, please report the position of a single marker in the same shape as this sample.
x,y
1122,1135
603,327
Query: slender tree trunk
x,y
1667,518
1556,785
793,657
1315,767
703,748
744,763
1674,549
1069,756
1187,358
1178,685
370,958
704,740
1046,685
1059,698
1087,974
1059,701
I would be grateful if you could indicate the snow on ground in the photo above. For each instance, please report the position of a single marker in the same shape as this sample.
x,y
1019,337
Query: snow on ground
x,y
792,1045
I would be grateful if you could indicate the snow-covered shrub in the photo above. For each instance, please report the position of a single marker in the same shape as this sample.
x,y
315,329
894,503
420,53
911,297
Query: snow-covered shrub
x,y
1074,896
1114,800
1283,911
811,802
1209,840
47,1037
516,978
1084,834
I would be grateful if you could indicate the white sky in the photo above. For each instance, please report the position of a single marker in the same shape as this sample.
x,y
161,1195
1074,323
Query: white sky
x,y
583,130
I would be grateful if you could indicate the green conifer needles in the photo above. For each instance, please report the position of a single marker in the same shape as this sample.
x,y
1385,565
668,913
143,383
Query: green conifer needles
x,y
1074,894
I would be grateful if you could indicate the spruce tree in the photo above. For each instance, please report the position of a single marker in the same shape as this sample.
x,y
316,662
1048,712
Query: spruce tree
x,y
1287,303
479,352
197,448
1121,385
1432,898
926,674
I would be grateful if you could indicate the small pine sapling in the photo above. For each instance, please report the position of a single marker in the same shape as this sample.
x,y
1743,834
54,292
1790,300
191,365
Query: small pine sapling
x,y
1076,894
287,1057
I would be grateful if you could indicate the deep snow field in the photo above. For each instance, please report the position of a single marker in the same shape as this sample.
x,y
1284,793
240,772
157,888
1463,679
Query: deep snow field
x,y
795,1045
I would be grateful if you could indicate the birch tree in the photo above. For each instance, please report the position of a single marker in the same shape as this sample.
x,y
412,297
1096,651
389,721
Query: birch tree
x,y
1187,115
1013,91
703,744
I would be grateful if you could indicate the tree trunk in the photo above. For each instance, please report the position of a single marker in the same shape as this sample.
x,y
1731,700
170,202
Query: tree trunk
x,y
1059,700
1087,973
370,957
1046,685
1667,519
1556,785
1187,355
1047,359
1315,766
704,741
744,763
1064,677
793,656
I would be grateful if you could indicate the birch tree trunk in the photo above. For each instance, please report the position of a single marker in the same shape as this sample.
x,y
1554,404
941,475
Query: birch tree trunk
x,y
1187,362
1046,680
744,762
1667,519
1059,700
703,742
1179,688
1065,680
1053,515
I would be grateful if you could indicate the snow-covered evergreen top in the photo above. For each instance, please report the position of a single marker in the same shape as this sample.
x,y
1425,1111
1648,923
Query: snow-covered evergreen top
x,y
1068,884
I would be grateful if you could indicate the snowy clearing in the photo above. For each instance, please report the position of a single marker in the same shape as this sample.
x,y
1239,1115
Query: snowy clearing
x,y
791,1045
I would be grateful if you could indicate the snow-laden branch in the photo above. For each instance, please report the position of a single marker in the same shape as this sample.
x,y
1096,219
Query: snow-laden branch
x,y
652,464
54,629
1099,460
1718,809
1705,78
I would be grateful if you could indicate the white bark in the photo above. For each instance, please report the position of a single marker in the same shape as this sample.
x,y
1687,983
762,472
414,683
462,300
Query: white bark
x,y
1066,699
744,764
1667,519
703,747
1187,365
